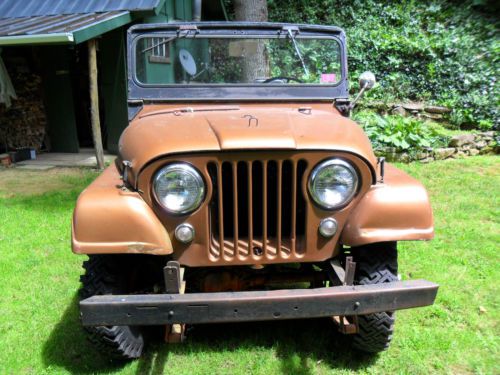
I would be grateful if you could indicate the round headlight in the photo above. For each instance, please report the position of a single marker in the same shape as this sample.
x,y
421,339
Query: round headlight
x,y
179,188
333,183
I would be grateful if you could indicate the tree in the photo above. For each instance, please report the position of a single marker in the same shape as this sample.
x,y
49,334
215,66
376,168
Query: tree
x,y
255,65
250,10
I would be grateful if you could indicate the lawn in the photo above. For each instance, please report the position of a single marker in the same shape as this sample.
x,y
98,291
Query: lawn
x,y
40,331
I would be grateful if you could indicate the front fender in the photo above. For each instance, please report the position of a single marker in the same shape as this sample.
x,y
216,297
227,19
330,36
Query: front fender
x,y
396,210
109,220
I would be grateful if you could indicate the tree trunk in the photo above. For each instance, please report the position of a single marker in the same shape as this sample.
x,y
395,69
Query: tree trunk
x,y
256,65
250,10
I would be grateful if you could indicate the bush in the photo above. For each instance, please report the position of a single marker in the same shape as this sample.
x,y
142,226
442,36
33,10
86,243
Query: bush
x,y
442,52
402,133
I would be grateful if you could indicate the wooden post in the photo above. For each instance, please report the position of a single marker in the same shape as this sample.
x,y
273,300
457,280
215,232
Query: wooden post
x,y
94,104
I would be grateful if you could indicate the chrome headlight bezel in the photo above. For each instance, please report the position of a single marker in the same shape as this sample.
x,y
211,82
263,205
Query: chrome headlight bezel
x,y
180,168
314,174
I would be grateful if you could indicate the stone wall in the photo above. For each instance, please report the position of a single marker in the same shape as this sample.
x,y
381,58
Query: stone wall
x,y
461,145
419,110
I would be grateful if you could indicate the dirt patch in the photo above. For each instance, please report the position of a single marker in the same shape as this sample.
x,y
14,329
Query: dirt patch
x,y
18,182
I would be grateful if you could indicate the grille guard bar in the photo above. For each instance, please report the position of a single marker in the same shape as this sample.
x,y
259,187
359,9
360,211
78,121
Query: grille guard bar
x,y
159,309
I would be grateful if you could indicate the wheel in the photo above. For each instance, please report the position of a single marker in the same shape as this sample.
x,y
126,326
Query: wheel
x,y
375,264
111,274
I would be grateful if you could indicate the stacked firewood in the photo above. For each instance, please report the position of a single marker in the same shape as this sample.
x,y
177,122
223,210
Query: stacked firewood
x,y
24,123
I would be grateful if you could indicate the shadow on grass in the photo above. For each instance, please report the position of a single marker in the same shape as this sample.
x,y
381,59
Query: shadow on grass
x,y
298,344
67,347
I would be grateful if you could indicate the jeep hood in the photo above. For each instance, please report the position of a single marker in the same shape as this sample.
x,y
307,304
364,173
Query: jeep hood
x,y
160,130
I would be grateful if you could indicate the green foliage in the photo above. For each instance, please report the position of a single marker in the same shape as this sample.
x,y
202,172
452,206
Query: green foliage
x,y
320,56
439,51
402,133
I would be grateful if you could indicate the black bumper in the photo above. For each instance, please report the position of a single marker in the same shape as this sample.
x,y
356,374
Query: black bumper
x,y
156,309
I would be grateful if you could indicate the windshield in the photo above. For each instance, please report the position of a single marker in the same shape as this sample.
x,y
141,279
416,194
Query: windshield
x,y
286,59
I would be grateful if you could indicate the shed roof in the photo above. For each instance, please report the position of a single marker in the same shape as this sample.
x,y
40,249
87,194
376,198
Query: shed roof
x,y
70,28
66,21
33,8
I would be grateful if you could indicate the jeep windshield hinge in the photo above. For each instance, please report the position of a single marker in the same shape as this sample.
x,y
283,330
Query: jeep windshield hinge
x,y
126,166
343,106
134,107
188,27
290,28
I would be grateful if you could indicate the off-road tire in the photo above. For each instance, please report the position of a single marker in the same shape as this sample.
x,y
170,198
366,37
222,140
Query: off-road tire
x,y
105,274
375,264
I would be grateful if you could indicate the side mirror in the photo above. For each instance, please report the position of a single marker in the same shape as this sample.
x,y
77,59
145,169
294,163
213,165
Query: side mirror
x,y
366,82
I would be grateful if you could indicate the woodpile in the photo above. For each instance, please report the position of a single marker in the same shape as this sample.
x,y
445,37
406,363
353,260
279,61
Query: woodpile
x,y
24,123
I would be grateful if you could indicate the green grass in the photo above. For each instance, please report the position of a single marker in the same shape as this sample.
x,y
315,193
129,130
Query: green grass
x,y
40,332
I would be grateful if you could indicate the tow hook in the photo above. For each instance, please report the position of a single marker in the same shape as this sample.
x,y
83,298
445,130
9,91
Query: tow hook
x,y
347,325
174,284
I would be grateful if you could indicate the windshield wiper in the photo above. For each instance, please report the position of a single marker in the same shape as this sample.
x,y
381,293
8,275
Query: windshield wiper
x,y
290,33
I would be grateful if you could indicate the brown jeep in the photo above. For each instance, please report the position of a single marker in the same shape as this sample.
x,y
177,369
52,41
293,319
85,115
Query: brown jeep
x,y
243,192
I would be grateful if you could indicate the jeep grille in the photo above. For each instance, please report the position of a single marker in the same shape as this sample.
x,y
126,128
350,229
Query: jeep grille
x,y
257,208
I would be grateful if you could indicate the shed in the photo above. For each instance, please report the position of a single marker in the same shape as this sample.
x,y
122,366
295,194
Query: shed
x,y
51,50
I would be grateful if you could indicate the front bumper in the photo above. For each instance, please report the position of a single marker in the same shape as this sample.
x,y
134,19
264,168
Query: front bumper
x,y
159,309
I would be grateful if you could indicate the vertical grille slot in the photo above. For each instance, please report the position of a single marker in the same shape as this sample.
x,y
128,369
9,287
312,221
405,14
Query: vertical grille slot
x,y
215,224
243,205
257,200
300,210
264,207
234,171
257,208
250,206
227,200
279,203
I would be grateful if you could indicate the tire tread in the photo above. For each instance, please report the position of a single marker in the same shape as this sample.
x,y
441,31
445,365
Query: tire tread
x,y
101,277
375,264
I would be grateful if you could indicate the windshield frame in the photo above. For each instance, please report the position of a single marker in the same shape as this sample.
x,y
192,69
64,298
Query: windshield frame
x,y
234,91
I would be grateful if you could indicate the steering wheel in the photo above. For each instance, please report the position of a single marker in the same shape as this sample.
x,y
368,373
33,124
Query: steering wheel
x,y
283,78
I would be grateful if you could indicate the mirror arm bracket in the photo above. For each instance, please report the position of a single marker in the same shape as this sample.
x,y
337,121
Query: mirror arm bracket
x,y
366,82
360,94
